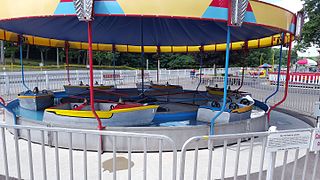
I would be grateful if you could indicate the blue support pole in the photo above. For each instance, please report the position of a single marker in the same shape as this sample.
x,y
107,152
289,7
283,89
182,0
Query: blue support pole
x,y
225,85
21,63
279,72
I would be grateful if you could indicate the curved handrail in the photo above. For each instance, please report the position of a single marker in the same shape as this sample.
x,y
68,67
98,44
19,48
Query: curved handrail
x,y
287,81
242,79
224,85
279,72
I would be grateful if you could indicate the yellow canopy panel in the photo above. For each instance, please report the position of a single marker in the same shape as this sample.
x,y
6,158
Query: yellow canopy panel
x,y
252,44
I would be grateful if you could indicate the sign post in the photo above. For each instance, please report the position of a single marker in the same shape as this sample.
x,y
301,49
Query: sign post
x,y
315,141
282,142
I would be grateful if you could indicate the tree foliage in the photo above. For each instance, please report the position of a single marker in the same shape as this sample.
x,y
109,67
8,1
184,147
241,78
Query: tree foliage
x,y
311,29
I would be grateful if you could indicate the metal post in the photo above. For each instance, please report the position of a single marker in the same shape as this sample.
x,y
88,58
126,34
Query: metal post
x,y
158,65
2,52
100,127
67,61
287,80
47,79
200,70
272,159
58,59
21,62
279,72
114,65
142,57
225,83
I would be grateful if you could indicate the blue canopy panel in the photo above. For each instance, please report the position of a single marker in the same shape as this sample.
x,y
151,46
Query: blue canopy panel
x,y
126,30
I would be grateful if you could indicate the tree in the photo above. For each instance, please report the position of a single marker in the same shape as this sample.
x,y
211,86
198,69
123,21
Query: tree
x,y
43,53
311,29
11,49
105,58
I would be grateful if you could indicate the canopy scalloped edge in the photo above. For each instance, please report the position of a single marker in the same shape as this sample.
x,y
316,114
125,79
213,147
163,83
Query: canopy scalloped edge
x,y
252,44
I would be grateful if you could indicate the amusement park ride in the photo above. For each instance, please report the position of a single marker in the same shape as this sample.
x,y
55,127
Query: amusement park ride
x,y
153,26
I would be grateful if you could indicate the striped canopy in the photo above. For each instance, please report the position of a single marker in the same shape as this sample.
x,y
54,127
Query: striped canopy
x,y
158,25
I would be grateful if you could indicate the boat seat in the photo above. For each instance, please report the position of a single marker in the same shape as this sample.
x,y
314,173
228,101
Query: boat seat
x,y
79,107
127,105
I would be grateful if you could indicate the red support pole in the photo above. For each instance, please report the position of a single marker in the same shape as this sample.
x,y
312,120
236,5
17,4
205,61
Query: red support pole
x,y
287,80
100,127
66,47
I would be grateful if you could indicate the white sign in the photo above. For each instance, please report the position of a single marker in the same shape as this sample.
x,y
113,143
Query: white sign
x,y
286,141
315,141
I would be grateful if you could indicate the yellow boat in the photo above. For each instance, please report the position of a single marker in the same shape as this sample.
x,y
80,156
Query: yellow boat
x,y
111,114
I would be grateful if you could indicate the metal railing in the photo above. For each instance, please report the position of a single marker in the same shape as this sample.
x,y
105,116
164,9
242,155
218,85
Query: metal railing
x,y
11,83
243,154
51,162
301,97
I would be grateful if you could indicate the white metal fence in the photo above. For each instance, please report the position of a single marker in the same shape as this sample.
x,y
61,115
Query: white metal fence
x,y
242,156
51,162
300,98
11,83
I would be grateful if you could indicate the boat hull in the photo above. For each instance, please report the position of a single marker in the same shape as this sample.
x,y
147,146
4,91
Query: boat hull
x,y
82,90
206,115
36,102
139,116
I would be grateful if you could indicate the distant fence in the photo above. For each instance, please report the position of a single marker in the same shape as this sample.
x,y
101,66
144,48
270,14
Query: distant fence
x,y
11,83
301,97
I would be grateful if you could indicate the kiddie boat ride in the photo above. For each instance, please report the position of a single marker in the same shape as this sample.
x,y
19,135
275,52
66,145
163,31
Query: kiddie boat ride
x,y
147,27
178,114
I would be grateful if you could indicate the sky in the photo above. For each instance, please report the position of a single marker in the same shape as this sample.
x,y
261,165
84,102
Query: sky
x,y
295,6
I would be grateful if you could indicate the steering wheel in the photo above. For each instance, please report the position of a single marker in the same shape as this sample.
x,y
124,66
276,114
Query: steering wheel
x,y
229,99
233,106
35,90
215,104
75,106
245,102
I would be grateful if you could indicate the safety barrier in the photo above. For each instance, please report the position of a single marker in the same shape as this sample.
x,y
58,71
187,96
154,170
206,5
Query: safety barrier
x,y
301,97
11,83
251,156
51,162
298,78
245,156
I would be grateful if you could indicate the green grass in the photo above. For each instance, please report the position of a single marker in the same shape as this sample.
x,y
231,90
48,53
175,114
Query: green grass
x,y
31,65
